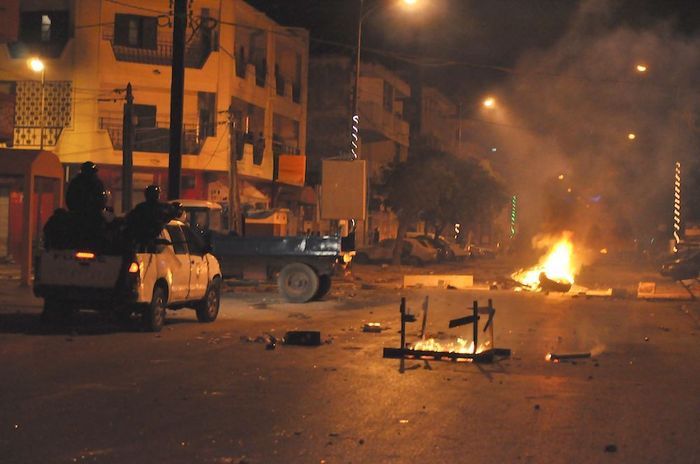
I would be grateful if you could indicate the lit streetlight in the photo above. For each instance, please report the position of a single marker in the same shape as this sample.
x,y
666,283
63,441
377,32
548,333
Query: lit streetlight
x,y
364,14
36,65
641,68
489,102
631,136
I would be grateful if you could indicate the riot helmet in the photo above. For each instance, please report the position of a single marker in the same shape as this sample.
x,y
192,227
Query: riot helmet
x,y
88,167
152,193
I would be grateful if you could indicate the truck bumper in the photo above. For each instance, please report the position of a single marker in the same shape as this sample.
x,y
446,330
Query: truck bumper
x,y
96,298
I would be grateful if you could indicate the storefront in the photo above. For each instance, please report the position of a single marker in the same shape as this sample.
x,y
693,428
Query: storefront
x,y
22,216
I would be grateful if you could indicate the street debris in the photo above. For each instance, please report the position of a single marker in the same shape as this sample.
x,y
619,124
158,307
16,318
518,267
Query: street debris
x,y
372,327
303,338
431,349
557,357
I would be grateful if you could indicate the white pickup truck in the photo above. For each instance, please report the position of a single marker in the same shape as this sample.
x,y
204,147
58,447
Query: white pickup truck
x,y
177,271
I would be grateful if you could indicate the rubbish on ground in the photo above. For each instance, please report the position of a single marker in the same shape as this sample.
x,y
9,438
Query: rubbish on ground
x,y
556,357
611,448
372,327
549,285
303,338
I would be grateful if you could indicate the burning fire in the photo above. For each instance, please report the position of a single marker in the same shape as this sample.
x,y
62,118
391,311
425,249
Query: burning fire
x,y
557,265
459,346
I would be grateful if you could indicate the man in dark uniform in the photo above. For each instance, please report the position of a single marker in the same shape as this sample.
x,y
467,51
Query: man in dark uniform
x,y
83,225
148,218
86,193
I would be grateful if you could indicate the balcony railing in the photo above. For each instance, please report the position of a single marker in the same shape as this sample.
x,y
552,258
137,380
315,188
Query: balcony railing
x,y
197,51
30,136
155,139
279,148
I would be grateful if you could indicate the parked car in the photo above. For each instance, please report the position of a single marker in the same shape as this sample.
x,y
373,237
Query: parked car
x,y
476,251
446,250
685,266
414,252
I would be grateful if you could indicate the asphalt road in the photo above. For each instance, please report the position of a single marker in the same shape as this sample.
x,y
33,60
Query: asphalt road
x,y
97,392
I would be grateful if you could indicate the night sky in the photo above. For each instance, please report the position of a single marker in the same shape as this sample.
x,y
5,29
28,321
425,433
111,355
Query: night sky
x,y
563,71
460,42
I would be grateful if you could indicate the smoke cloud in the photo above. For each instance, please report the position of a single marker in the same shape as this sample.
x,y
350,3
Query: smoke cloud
x,y
587,141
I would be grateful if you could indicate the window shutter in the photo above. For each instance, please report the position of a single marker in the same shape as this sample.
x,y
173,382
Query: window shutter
x,y
121,29
149,32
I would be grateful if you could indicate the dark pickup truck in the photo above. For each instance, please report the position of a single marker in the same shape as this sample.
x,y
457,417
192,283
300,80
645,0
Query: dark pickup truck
x,y
302,265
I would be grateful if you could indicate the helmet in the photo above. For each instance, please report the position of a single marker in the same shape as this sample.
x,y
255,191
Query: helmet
x,y
88,167
152,193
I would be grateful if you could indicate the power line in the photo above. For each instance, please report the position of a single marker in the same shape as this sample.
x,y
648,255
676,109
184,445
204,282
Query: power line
x,y
138,7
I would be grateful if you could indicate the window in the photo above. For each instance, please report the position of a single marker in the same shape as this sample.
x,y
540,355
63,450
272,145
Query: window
x,y
145,115
195,242
42,33
45,28
206,104
136,31
178,240
388,96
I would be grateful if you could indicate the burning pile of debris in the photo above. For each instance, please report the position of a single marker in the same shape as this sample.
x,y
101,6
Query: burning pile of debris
x,y
555,271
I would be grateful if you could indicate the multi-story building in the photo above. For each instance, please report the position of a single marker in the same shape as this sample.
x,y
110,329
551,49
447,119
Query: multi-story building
x,y
236,58
384,130
439,120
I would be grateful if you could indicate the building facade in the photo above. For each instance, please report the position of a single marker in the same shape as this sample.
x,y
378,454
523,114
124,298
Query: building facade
x,y
241,67
384,129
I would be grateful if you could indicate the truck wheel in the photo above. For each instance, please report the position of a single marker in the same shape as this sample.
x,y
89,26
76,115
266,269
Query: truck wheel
x,y
324,286
298,283
208,308
154,315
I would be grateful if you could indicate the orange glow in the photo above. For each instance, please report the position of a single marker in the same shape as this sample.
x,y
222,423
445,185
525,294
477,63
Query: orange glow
x,y
490,102
603,251
631,136
641,68
557,264
85,255
134,268
561,177
458,346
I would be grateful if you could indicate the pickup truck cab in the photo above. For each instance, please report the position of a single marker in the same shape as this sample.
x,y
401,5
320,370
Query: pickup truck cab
x,y
302,265
176,271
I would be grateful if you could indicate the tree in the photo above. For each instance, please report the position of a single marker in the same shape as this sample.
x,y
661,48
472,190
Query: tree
x,y
439,188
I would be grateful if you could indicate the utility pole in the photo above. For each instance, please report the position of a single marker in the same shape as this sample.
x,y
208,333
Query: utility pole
x,y
127,150
177,90
234,193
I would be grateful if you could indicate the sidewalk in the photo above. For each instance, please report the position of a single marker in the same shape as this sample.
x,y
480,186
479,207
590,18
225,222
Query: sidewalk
x,y
13,297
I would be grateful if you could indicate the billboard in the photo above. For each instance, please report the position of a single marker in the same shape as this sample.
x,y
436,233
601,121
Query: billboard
x,y
344,189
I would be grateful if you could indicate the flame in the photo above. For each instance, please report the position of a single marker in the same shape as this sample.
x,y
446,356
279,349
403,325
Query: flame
x,y
558,264
459,346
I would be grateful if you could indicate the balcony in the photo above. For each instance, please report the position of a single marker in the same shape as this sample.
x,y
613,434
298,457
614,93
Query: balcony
x,y
383,123
289,166
197,51
155,139
30,136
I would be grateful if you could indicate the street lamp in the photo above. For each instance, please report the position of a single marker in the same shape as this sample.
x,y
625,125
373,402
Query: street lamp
x,y
36,65
641,68
489,102
358,52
